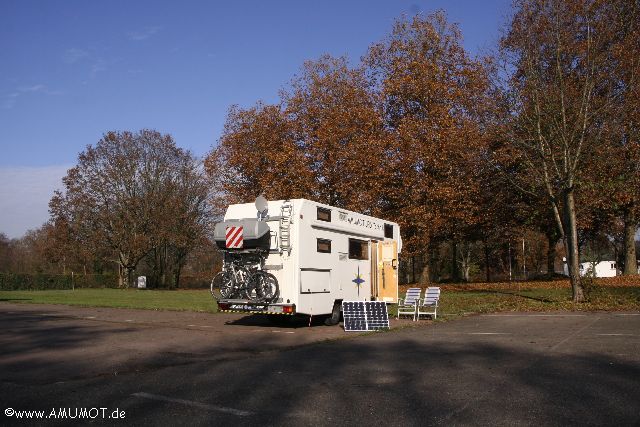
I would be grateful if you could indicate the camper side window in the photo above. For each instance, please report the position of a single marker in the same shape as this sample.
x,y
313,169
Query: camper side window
x,y
323,245
358,249
324,214
388,231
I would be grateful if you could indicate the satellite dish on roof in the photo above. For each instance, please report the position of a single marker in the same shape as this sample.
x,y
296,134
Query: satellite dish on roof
x,y
261,206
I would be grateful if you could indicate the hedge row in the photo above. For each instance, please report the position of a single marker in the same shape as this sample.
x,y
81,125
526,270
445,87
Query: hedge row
x,y
16,282
19,282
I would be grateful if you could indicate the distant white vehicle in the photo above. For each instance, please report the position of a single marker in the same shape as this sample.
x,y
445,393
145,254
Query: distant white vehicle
x,y
601,269
303,257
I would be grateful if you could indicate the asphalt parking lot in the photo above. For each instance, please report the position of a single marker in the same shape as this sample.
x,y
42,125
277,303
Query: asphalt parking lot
x,y
201,369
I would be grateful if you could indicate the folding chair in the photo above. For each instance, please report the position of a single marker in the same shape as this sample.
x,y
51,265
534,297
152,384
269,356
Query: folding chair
x,y
429,304
408,304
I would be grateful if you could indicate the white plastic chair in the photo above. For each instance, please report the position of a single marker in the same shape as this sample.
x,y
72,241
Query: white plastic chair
x,y
429,305
408,304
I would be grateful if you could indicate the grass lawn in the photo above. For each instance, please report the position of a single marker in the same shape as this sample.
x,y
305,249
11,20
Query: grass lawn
x,y
183,300
537,299
454,301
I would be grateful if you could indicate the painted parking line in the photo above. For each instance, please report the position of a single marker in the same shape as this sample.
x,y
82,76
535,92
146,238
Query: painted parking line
x,y
488,333
616,335
192,403
128,320
90,317
627,314
534,315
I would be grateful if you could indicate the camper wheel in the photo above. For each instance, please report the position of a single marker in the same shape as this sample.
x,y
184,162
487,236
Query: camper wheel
x,y
334,318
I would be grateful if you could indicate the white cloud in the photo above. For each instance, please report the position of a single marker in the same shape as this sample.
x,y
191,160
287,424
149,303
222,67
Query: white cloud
x,y
143,33
24,196
10,100
34,88
99,65
73,55
85,58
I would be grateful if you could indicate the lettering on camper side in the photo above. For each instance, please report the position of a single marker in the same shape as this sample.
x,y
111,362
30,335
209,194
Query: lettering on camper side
x,y
359,221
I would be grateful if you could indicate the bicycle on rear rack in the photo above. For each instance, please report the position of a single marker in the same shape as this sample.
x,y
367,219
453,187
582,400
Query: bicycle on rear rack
x,y
242,278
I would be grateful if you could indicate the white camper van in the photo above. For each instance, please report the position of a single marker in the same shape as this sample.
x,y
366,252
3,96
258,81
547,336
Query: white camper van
x,y
596,268
317,255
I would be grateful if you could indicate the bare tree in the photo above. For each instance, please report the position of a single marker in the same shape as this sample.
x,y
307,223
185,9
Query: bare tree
x,y
130,194
559,60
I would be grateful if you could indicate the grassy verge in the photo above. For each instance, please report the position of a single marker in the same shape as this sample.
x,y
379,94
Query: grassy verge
x,y
187,300
489,301
455,300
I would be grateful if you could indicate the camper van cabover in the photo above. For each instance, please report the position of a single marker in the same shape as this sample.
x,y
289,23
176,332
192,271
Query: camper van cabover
x,y
303,257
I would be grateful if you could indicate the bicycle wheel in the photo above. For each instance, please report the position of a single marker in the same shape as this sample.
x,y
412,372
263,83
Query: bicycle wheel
x,y
223,282
263,287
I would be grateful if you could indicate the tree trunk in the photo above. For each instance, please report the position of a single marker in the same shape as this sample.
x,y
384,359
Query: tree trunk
x,y
486,262
164,265
571,238
455,272
177,276
120,279
413,269
551,255
465,260
425,274
128,274
630,227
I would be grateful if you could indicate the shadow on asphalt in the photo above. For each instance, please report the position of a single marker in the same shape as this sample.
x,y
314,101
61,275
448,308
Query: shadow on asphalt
x,y
368,382
280,321
25,348
375,381
418,377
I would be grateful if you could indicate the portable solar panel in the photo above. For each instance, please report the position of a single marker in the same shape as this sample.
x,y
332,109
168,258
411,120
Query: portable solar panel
x,y
354,316
376,315
362,316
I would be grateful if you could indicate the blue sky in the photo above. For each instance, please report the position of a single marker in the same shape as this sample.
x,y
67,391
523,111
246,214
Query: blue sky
x,y
72,70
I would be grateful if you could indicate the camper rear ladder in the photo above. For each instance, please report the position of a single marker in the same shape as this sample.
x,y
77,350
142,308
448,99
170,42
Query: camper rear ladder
x,y
285,226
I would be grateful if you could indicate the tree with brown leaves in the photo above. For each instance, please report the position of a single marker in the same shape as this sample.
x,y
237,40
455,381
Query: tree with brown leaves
x,y
434,99
257,154
339,130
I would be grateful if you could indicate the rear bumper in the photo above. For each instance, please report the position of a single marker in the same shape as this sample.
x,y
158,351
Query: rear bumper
x,y
245,306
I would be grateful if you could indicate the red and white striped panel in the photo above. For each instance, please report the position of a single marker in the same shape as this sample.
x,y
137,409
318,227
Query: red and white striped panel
x,y
234,237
